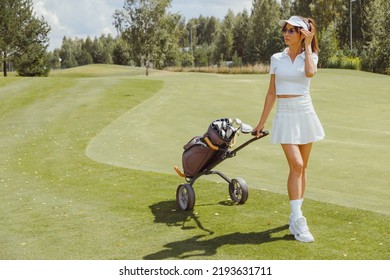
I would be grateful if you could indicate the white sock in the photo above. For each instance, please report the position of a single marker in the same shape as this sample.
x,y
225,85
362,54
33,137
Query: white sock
x,y
296,208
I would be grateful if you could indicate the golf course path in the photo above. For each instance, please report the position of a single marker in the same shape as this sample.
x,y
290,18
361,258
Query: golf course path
x,y
150,137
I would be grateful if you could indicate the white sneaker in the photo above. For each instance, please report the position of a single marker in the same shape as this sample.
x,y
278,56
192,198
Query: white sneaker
x,y
300,230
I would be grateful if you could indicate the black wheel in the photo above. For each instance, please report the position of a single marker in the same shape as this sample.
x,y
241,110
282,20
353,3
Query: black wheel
x,y
238,190
185,197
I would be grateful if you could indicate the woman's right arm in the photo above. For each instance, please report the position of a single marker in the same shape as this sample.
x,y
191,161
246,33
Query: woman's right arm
x,y
268,105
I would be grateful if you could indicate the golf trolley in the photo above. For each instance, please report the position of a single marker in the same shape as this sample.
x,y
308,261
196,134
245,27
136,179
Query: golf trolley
x,y
203,153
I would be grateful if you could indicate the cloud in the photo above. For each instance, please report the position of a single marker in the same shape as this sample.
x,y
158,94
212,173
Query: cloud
x,y
50,17
82,18
217,8
77,18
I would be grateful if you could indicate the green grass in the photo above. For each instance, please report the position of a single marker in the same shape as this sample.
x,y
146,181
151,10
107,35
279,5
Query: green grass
x,y
58,203
350,168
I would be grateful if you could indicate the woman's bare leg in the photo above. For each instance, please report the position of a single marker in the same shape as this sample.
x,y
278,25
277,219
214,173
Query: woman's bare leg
x,y
297,158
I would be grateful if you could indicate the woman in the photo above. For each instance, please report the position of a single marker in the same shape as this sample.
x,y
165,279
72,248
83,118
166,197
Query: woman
x,y
296,125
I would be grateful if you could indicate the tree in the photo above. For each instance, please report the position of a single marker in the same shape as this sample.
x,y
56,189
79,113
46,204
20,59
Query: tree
x,y
210,30
34,61
377,57
121,53
335,12
240,34
108,43
265,31
329,45
224,44
361,22
55,60
98,54
68,53
302,8
204,55
285,9
167,43
23,38
145,24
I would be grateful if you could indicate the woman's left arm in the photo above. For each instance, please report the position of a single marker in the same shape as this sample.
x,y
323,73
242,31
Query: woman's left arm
x,y
310,66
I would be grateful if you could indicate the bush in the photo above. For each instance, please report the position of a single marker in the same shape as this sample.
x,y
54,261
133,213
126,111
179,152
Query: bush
x,y
328,46
376,59
343,62
187,60
257,69
33,62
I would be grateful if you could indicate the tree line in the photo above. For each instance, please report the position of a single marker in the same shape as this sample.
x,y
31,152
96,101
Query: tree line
x,y
150,35
23,39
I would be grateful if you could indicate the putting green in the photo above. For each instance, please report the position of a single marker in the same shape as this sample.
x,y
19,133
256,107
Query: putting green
x,y
351,167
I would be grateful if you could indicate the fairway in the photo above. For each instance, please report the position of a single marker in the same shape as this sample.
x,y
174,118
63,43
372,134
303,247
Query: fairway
x,y
351,167
87,160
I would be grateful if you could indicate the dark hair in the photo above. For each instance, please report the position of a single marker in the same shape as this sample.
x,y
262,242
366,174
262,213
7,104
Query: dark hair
x,y
314,43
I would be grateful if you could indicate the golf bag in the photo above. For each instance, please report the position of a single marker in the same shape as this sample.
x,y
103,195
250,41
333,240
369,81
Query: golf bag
x,y
200,150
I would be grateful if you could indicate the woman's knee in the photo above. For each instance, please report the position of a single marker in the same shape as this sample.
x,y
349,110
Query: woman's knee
x,y
297,167
295,159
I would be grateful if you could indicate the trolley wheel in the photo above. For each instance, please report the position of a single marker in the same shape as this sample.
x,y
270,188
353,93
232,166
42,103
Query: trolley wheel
x,y
185,197
238,190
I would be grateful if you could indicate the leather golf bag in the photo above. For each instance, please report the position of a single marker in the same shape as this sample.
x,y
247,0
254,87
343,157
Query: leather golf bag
x,y
200,151
196,155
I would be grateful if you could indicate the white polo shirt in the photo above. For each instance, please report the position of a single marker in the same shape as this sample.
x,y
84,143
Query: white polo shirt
x,y
290,77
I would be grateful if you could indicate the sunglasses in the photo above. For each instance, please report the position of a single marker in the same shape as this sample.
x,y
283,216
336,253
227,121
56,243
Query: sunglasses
x,y
290,31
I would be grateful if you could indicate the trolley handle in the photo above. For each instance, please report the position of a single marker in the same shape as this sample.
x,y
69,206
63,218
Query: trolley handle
x,y
264,134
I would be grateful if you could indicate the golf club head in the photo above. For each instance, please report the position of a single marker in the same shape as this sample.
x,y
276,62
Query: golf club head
x,y
224,125
237,121
230,132
218,124
246,128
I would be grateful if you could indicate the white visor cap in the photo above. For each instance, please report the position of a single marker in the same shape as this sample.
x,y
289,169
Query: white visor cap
x,y
295,21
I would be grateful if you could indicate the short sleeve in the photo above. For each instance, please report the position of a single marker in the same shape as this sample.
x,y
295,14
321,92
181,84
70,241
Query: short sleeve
x,y
273,65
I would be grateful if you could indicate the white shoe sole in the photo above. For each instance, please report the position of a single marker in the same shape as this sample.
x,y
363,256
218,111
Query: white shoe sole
x,y
297,236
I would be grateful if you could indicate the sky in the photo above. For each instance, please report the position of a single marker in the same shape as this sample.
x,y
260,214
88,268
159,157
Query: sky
x,y
82,18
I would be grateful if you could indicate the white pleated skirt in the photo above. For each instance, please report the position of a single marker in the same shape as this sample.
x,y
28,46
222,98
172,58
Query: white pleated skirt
x,y
296,122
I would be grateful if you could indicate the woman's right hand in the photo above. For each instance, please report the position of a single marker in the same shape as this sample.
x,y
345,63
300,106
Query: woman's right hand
x,y
258,129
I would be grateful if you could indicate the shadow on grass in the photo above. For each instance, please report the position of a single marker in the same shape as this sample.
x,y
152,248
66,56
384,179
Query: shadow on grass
x,y
166,212
203,245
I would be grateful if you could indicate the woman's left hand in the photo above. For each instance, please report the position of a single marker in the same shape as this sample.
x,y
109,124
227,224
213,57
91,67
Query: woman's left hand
x,y
308,35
